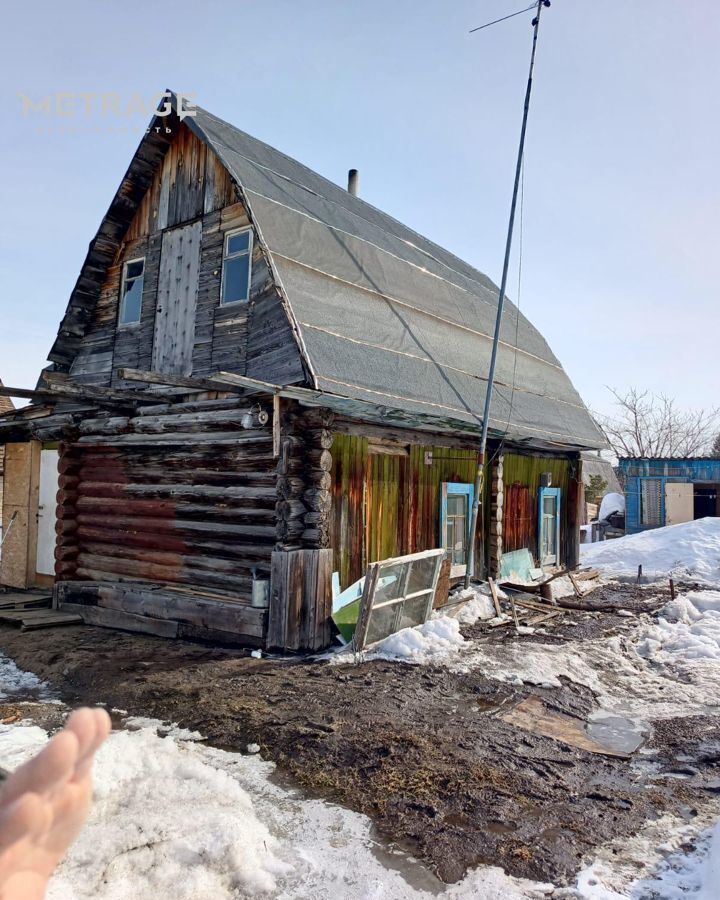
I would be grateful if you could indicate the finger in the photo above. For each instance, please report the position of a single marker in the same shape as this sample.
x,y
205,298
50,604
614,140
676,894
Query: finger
x,y
81,723
102,726
46,771
28,817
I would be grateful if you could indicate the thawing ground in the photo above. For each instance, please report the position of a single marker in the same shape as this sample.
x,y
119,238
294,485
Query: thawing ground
x,y
176,817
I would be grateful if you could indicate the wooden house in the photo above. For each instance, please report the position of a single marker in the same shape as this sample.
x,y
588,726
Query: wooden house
x,y
261,377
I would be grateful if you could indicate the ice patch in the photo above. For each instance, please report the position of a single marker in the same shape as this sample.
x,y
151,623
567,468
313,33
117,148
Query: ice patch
x,y
688,551
16,684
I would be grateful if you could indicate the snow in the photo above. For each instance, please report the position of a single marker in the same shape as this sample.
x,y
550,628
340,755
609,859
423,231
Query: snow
x,y
14,683
689,551
477,606
610,504
435,640
674,873
176,818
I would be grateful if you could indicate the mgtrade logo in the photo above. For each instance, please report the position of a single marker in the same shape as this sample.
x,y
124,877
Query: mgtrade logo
x,y
88,105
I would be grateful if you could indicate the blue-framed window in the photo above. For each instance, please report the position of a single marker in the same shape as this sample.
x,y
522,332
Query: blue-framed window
x,y
549,526
456,503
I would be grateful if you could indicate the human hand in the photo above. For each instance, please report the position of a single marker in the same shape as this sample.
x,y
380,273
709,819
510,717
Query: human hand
x,y
44,804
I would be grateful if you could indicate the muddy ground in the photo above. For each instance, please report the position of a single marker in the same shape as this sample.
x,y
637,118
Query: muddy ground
x,y
420,750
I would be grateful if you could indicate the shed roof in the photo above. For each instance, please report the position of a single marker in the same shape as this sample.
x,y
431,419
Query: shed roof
x,y
381,313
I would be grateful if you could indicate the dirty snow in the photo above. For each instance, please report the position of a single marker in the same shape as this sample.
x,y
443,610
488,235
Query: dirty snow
x,y
175,818
682,864
690,551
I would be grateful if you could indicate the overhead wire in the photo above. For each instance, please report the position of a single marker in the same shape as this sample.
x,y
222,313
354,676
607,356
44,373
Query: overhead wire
x,y
504,18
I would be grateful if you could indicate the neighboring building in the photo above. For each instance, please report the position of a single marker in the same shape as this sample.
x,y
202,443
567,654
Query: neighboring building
x,y
308,380
594,464
668,491
6,406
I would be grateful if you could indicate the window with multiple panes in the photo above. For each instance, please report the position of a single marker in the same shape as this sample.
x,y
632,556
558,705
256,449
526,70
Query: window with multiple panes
x,y
455,513
131,291
237,264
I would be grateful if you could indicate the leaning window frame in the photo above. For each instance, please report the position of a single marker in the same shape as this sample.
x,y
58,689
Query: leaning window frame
x,y
458,488
228,234
123,281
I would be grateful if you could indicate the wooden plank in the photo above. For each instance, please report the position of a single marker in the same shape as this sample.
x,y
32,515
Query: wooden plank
x,y
112,618
442,590
495,598
238,383
51,622
277,619
277,429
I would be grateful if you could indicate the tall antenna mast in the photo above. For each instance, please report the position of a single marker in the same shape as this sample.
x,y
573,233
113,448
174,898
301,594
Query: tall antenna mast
x,y
479,476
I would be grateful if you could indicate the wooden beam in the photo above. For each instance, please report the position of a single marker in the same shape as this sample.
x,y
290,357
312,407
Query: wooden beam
x,y
25,394
59,384
229,383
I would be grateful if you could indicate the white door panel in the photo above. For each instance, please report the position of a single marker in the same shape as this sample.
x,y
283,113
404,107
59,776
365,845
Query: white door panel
x,y
45,562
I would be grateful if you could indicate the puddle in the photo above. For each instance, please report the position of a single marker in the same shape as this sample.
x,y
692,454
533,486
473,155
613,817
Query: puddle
x,y
616,732
605,733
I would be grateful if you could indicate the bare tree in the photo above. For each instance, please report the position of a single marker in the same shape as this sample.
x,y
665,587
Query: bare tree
x,y
715,449
651,425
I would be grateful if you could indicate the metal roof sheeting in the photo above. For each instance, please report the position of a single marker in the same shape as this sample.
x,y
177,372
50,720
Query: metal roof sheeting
x,y
386,315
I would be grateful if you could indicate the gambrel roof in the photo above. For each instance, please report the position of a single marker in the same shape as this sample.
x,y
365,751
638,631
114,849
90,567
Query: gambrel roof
x,y
381,313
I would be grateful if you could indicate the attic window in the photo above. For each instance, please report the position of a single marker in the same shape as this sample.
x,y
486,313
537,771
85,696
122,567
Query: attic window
x,y
131,291
237,261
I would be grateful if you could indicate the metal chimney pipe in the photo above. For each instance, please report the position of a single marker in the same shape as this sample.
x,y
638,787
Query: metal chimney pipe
x,y
353,182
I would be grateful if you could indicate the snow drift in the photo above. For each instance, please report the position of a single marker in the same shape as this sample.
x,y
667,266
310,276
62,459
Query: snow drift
x,y
690,551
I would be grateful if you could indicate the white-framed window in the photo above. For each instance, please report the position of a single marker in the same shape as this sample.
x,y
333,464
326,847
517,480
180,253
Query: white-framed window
x,y
131,291
237,267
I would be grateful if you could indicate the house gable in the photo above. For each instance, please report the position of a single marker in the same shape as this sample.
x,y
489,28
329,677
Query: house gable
x,y
172,191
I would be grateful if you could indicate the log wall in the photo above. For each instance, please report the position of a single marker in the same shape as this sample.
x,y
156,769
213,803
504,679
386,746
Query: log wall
x,y
170,497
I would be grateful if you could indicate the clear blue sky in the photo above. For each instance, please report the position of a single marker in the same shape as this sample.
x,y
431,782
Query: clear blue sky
x,y
621,267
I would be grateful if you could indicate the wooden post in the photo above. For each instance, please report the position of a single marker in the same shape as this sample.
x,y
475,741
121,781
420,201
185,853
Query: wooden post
x,y
575,508
497,502
300,599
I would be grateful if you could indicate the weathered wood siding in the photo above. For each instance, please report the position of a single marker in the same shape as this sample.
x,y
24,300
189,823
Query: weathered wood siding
x,y
386,500
522,483
190,188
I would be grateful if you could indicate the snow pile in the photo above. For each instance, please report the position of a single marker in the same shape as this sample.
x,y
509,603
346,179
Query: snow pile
x,y
611,503
164,823
686,637
16,684
688,551
434,640
478,606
